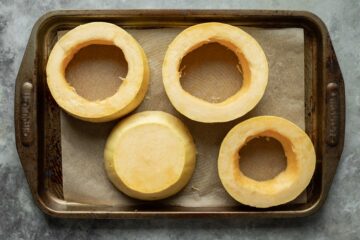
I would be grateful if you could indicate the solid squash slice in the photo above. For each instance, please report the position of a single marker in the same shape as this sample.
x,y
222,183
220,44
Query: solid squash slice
x,y
130,93
150,155
251,58
288,184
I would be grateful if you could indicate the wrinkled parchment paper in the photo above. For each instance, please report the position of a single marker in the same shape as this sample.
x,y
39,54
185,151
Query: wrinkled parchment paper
x,y
84,177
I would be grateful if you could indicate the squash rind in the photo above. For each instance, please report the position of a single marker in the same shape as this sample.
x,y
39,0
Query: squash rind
x,y
251,57
287,185
130,93
119,157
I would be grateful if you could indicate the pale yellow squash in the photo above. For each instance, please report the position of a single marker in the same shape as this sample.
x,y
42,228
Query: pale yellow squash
x,y
288,184
251,58
130,93
150,155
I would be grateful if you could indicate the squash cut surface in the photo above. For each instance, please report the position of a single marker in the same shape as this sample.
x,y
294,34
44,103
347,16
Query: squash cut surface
x,y
150,155
127,97
252,60
284,187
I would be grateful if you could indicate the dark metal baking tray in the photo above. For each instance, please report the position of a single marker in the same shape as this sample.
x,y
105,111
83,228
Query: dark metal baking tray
x,y
37,116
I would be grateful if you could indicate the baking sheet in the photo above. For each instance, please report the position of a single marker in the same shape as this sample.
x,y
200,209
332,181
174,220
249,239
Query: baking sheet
x,y
84,177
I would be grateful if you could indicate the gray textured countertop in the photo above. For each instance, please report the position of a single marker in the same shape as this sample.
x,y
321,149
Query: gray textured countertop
x,y
338,219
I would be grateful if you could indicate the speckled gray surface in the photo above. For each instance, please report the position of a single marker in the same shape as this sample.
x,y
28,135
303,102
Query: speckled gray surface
x,y
338,219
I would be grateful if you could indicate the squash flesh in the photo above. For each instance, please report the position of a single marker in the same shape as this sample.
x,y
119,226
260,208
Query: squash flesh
x,y
130,93
288,184
150,155
250,55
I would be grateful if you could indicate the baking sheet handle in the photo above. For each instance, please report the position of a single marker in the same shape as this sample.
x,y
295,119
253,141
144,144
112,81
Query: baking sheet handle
x,y
25,115
333,130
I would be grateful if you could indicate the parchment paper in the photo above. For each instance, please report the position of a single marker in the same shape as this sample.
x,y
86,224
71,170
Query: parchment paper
x,y
84,177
